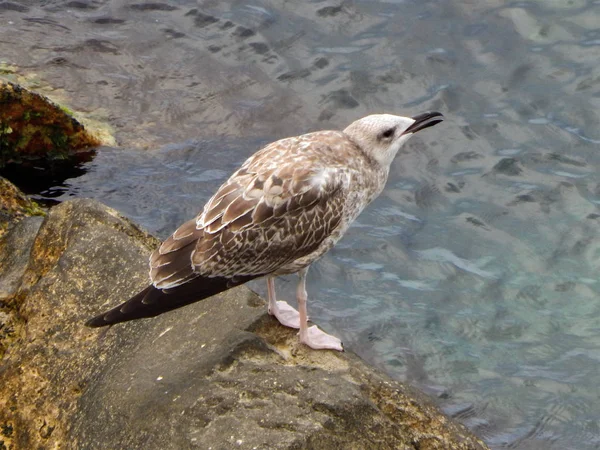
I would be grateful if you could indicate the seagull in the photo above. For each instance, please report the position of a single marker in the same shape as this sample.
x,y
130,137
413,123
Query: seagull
x,y
284,208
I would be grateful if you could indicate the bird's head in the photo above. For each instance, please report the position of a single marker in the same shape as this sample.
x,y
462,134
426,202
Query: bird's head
x,y
382,135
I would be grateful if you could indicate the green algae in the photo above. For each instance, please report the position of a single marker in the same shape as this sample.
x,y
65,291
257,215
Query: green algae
x,y
34,127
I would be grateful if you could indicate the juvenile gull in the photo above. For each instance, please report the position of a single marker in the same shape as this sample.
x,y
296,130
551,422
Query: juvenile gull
x,y
286,206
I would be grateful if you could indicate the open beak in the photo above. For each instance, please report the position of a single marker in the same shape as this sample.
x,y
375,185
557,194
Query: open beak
x,y
424,120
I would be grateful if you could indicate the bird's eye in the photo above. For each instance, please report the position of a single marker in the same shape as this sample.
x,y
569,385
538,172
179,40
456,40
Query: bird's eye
x,y
388,133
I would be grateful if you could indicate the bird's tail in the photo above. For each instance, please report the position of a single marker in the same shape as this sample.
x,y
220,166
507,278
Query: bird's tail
x,y
151,301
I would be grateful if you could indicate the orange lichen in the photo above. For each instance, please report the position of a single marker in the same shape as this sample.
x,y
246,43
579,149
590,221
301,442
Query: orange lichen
x,y
33,127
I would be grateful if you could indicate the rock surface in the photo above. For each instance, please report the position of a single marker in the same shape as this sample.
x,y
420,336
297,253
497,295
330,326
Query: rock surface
x,y
15,209
14,205
33,127
217,374
14,257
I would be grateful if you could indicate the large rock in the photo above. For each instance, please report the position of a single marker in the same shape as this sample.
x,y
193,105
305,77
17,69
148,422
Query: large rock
x,y
16,210
217,374
34,127
14,205
14,257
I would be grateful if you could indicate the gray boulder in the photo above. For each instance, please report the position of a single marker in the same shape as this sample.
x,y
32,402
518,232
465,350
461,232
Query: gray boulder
x,y
217,374
14,205
16,210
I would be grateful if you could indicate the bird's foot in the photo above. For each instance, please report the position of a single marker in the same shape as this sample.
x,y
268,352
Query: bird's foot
x,y
286,315
318,340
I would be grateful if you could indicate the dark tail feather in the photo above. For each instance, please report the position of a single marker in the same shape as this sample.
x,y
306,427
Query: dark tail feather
x,y
152,301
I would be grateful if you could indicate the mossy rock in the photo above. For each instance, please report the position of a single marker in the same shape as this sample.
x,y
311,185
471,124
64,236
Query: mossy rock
x,y
14,205
221,373
33,127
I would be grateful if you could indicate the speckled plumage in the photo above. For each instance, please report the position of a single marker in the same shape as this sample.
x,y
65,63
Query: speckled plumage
x,y
286,206
283,209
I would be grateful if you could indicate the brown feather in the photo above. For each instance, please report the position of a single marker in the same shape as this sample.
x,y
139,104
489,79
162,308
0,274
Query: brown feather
x,y
185,230
173,267
240,223
223,191
261,213
238,208
216,210
215,225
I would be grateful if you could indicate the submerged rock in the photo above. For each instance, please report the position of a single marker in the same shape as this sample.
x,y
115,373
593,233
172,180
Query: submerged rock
x,y
218,374
33,127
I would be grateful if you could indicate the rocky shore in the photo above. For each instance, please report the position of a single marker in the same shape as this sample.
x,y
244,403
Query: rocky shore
x,y
218,374
33,128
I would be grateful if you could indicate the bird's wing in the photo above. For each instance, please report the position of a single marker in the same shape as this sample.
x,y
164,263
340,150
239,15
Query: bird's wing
x,y
272,211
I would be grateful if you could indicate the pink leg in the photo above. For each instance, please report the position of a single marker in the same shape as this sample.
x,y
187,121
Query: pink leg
x,y
313,337
286,315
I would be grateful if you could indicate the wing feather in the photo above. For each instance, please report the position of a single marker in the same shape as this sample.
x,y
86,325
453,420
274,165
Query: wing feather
x,y
281,205
170,264
238,208
280,215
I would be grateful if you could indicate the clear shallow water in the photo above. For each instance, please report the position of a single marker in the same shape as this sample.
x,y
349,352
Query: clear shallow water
x,y
474,275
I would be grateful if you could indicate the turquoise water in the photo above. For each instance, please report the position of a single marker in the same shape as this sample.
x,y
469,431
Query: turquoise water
x,y
474,275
